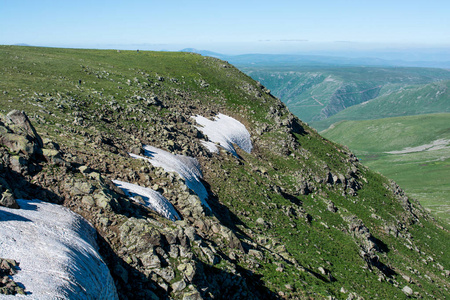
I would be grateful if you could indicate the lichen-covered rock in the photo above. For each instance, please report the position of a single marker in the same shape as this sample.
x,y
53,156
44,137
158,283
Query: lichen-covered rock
x,y
8,286
7,199
18,134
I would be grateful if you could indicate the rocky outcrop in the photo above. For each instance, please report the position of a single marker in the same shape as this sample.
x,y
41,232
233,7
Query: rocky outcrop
x,y
22,153
9,267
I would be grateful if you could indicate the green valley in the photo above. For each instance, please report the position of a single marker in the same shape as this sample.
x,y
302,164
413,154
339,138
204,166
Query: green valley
x,y
316,94
406,101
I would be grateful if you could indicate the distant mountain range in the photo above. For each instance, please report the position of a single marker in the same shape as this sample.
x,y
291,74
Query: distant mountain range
x,y
292,60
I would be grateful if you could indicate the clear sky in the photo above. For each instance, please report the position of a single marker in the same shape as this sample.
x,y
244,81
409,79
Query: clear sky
x,y
230,27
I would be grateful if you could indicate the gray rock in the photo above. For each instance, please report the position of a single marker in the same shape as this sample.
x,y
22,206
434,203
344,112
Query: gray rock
x,y
191,234
167,274
178,286
188,270
407,290
105,201
174,252
151,260
18,163
20,119
331,207
260,221
256,253
16,143
407,278
322,270
232,239
194,295
212,258
136,150
51,154
8,200
80,188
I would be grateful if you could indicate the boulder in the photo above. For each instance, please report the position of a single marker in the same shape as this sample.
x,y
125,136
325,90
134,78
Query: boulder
x,y
193,295
407,290
18,134
7,199
178,286
18,119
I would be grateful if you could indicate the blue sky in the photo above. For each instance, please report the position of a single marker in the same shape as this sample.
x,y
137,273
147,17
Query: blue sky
x,y
228,26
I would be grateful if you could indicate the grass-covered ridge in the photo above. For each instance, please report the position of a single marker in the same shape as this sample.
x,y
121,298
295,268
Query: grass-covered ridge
x,y
298,217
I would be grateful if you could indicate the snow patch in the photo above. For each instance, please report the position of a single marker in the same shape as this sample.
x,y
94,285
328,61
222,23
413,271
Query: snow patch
x,y
56,251
212,147
187,167
152,199
225,131
435,145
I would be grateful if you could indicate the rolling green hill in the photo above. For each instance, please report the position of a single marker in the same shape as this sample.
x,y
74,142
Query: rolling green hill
x,y
297,217
317,93
412,150
409,100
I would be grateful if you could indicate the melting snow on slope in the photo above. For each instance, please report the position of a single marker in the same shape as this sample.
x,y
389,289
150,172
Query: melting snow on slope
x,y
56,251
187,167
226,131
435,145
152,199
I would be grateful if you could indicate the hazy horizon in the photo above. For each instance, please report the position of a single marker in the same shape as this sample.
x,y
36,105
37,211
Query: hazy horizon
x,y
414,30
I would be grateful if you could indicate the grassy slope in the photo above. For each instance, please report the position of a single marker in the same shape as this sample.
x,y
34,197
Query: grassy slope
x,y
313,93
424,175
44,83
411,100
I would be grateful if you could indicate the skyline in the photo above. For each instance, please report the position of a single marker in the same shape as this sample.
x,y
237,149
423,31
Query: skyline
x,y
233,27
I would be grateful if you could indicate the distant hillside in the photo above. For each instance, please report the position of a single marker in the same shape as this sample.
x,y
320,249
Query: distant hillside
x,y
359,59
412,150
408,100
315,94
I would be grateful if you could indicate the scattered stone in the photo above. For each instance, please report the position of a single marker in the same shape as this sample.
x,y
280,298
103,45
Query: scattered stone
x,y
407,278
407,290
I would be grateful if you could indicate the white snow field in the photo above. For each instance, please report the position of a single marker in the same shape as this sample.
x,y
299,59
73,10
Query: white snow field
x,y
187,167
153,200
56,251
225,131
